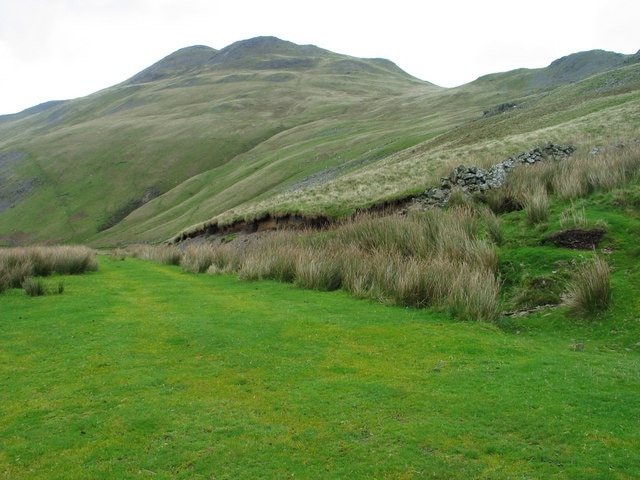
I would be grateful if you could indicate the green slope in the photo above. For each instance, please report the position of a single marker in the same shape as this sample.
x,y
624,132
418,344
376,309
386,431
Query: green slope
x,y
261,126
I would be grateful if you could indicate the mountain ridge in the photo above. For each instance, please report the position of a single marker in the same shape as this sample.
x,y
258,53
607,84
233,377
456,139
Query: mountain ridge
x,y
205,132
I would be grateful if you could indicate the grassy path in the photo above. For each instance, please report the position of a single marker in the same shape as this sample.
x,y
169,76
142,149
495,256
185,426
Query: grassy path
x,y
139,370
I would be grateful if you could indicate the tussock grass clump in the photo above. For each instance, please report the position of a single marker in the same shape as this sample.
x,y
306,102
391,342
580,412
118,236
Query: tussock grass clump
x,y
569,181
576,176
318,272
17,264
525,179
590,287
458,240
459,198
474,295
613,168
574,218
224,259
493,226
34,287
536,206
391,233
279,265
274,258
421,283
163,254
197,258
72,260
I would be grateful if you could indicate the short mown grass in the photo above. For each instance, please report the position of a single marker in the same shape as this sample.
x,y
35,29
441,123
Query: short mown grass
x,y
143,370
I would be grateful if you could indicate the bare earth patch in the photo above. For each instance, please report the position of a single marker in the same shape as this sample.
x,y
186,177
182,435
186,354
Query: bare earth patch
x,y
576,239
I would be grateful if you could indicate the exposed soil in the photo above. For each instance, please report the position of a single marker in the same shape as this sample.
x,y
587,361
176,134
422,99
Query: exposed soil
x,y
270,223
576,239
260,225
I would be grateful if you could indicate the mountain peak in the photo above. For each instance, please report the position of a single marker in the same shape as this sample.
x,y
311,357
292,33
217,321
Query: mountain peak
x,y
258,52
175,63
265,52
580,65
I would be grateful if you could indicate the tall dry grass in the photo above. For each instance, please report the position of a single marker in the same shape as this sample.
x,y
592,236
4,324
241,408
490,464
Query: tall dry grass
x,y
164,254
590,287
318,272
578,175
474,294
493,226
420,259
197,258
18,264
273,258
415,260
536,205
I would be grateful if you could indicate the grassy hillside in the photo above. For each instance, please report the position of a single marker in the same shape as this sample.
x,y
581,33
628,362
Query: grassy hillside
x,y
601,110
94,159
266,126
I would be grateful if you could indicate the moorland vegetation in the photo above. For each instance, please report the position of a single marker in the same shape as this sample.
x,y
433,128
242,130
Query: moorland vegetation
x,y
446,258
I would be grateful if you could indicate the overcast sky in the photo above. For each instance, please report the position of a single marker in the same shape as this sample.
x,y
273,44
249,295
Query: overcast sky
x,y
60,49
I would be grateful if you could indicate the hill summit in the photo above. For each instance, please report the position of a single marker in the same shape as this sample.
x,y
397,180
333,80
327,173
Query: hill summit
x,y
260,53
177,63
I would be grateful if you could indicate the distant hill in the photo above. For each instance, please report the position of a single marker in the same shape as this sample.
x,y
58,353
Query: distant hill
x,y
573,68
568,69
268,127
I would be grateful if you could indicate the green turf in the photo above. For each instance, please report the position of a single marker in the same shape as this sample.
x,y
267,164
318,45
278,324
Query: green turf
x,y
140,370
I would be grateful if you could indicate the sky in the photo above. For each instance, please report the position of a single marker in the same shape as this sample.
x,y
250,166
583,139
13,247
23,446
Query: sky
x,y
62,49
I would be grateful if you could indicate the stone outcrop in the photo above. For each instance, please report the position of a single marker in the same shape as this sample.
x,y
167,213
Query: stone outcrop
x,y
479,180
498,109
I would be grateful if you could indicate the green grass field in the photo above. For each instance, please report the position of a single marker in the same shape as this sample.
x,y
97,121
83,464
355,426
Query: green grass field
x,y
140,370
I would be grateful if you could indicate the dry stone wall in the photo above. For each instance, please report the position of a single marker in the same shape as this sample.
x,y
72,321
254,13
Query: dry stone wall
x,y
479,180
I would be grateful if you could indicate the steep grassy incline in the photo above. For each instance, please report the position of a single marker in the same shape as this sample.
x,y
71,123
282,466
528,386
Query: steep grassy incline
x,y
91,161
601,110
265,126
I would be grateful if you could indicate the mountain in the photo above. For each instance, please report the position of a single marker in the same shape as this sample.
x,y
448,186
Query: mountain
x,y
568,69
267,127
